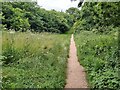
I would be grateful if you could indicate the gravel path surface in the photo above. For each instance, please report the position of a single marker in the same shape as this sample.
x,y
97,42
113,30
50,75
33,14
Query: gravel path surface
x,y
76,77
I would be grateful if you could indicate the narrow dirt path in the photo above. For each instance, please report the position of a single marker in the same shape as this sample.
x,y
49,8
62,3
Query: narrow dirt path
x,y
75,72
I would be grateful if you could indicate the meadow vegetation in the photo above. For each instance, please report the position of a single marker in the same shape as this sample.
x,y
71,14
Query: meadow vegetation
x,y
34,60
35,44
98,53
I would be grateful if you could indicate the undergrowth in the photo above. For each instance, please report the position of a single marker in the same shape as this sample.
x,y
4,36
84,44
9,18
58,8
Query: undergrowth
x,y
98,53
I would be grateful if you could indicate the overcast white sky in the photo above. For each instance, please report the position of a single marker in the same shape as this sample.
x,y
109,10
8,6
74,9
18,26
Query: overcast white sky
x,y
57,4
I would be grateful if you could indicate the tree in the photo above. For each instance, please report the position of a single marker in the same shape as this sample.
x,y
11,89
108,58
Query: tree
x,y
75,12
99,16
23,16
14,18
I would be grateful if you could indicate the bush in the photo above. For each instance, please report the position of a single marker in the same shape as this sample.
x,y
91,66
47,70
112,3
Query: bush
x,y
98,53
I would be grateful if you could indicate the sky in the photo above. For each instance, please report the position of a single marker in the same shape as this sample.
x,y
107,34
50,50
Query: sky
x,y
58,5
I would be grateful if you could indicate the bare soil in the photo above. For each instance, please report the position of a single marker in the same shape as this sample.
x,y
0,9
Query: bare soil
x,y
76,77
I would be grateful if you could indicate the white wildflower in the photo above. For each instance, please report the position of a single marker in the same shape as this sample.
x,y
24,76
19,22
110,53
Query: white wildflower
x,y
12,32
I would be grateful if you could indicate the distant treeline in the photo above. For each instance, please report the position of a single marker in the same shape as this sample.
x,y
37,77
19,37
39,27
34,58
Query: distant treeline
x,y
23,16
94,16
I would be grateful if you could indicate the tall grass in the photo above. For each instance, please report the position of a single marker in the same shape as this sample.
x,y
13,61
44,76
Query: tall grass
x,y
98,53
34,60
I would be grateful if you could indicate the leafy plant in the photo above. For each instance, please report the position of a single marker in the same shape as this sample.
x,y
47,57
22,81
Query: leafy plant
x,y
98,53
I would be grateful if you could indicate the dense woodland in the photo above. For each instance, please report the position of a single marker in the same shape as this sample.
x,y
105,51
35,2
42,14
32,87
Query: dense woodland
x,y
43,37
99,17
96,16
22,16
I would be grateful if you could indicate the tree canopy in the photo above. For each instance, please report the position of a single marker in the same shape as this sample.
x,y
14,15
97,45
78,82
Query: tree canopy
x,y
22,16
98,16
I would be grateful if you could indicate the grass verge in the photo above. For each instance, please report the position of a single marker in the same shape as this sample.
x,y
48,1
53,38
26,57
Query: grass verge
x,y
98,53
34,60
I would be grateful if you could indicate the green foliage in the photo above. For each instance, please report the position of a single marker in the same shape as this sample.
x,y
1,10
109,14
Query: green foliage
x,y
75,12
98,16
97,43
14,18
99,55
19,22
23,16
34,60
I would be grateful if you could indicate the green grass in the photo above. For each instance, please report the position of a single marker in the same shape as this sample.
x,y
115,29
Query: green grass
x,y
99,55
34,60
